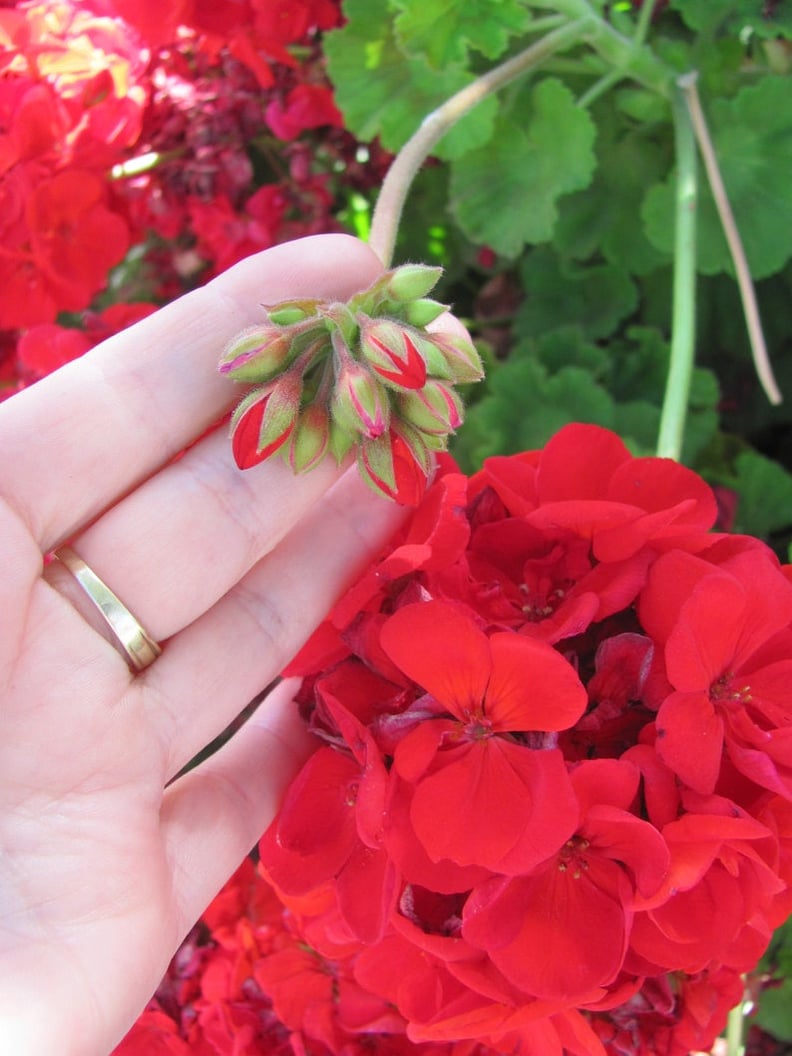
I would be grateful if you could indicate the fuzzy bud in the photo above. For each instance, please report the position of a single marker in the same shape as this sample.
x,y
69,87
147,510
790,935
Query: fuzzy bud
x,y
310,438
411,281
397,464
392,351
359,404
435,409
461,358
264,420
258,354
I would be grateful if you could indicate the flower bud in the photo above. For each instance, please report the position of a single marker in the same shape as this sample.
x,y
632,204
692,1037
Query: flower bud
x,y
460,355
411,281
392,351
264,420
435,409
397,464
287,313
258,354
359,403
310,438
423,311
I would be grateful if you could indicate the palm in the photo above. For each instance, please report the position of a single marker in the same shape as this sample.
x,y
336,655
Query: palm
x,y
108,856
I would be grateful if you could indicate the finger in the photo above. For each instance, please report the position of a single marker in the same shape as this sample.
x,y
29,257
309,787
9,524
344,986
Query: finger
x,y
210,671
180,541
213,815
109,419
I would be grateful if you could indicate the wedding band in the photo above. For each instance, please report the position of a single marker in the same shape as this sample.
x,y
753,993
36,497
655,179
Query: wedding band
x,y
138,647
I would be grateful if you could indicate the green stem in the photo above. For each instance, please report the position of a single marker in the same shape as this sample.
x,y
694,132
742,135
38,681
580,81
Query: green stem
x,y
734,1031
416,150
644,21
600,87
680,370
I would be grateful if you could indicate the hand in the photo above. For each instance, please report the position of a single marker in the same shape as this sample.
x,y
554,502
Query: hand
x,y
106,861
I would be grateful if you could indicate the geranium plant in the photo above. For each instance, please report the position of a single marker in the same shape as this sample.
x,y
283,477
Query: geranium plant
x,y
549,806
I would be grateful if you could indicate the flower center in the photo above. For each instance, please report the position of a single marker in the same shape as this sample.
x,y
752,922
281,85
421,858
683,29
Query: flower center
x,y
725,690
572,858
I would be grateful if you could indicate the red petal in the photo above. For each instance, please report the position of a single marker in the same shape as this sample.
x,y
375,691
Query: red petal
x,y
690,739
438,646
570,935
507,803
532,687
578,463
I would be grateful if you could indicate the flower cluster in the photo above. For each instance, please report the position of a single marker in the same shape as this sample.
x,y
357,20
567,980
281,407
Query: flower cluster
x,y
362,374
551,809
245,984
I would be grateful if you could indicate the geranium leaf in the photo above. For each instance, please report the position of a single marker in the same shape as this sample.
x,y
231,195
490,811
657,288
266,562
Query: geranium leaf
x,y
752,133
596,297
505,195
384,93
736,16
445,30
765,491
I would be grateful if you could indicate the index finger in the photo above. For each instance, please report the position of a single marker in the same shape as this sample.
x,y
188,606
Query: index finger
x,y
77,440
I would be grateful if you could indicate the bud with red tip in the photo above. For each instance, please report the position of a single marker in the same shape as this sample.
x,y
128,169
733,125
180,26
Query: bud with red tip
x,y
397,464
359,403
265,420
258,354
435,409
392,351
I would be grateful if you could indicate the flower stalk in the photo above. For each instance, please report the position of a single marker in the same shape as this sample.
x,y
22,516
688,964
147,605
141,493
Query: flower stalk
x,y
397,182
683,329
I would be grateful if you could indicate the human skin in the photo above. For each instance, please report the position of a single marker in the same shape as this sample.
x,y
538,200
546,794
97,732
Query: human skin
x,y
107,857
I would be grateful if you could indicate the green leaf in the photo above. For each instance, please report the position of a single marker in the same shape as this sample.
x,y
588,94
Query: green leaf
x,y
443,31
505,194
595,298
765,495
774,1011
752,133
525,406
737,16
384,93
605,216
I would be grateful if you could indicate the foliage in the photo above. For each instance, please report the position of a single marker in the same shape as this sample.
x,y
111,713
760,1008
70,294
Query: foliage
x,y
571,192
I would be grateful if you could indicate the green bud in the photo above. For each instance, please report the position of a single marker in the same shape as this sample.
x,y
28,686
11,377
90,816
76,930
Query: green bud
x,y
286,313
258,354
435,409
310,438
462,361
423,311
412,281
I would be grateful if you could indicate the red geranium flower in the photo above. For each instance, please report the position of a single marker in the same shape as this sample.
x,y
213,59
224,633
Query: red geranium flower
x,y
494,689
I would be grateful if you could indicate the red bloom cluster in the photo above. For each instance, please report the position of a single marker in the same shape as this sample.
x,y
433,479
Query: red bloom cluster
x,y
245,984
186,130
551,811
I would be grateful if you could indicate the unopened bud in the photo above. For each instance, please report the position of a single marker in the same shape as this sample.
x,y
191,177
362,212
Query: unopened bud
x,y
310,438
392,351
258,354
265,419
411,281
359,404
435,409
396,464
460,355
423,311
286,313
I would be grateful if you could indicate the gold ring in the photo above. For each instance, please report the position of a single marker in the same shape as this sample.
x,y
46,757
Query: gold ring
x,y
138,647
